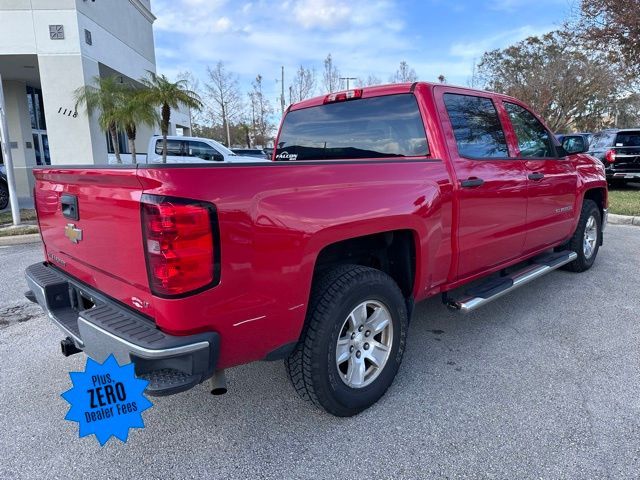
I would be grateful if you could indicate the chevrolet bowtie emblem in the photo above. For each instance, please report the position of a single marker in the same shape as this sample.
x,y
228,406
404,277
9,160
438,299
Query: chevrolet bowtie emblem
x,y
72,233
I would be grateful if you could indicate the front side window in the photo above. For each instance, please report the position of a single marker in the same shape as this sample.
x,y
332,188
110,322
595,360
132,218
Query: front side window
x,y
174,148
533,139
378,127
201,150
476,126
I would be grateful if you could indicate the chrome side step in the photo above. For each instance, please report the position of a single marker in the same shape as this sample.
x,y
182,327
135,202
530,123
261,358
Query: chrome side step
x,y
494,288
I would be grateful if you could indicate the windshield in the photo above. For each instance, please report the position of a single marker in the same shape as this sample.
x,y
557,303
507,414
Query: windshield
x,y
387,126
224,149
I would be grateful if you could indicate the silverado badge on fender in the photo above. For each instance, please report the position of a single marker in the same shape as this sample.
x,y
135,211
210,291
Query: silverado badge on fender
x,y
72,233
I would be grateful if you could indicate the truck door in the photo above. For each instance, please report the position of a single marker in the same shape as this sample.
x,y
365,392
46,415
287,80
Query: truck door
x,y
490,186
552,180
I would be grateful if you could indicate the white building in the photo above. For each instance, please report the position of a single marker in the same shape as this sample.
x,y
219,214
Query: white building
x,y
49,48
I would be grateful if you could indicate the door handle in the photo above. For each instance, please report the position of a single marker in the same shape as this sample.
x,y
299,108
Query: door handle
x,y
536,176
471,182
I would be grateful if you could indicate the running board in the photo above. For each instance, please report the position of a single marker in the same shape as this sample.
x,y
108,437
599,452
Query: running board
x,y
494,288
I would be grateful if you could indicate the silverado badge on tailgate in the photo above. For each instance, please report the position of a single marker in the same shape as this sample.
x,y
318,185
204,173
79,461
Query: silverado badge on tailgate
x,y
72,233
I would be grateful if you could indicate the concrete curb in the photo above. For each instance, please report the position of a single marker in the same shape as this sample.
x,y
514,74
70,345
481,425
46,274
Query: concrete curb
x,y
20,239
623,220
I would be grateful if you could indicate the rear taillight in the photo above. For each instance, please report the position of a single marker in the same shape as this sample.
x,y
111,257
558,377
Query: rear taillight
x,y
180,241
343,96
610,156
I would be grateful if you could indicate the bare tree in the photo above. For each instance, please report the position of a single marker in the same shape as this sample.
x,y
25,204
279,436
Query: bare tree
x,y
570,87
369,81
404,74
222,89
261,112
303,85
330,76
192,83
442,78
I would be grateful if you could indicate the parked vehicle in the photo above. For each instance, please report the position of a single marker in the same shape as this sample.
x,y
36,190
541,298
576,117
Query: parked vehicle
x,y
619,151
187,150
381,197
4,189
251,152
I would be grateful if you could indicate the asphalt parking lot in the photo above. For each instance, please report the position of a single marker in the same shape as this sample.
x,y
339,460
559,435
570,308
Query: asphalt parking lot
x,y
542,383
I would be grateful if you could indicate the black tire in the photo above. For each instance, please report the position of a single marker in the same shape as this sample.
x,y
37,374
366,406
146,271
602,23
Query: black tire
x,y
312,365
4,196
576,244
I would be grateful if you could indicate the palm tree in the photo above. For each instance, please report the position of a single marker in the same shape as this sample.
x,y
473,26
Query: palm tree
x,y
134,110
106,96
163,93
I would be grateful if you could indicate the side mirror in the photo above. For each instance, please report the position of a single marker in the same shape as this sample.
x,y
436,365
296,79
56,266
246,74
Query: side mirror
x,y
573,144
217,157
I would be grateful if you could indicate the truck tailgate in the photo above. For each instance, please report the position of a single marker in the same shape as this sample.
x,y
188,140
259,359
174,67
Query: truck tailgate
x,y
100,245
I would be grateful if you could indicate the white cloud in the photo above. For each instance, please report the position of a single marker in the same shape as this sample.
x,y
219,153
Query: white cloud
x,y
222,25
321,13
260,36
474,49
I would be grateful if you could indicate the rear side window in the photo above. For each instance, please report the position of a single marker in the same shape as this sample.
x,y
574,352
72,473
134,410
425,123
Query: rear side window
x,y
388,126
476,126
533,139
174,148
627,139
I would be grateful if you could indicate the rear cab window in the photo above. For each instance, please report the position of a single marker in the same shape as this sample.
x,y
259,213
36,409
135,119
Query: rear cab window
x,y
476,126
376,127
627,139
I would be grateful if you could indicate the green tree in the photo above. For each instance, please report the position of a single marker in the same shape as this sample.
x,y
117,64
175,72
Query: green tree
x,y
570,87
613,26
133,111
161,92
104,97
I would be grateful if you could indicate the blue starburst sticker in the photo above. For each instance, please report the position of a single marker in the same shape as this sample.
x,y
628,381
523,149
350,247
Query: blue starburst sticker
x,y
106,400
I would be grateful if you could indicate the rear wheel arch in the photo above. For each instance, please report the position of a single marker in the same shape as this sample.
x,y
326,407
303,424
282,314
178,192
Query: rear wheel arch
x,y
392,252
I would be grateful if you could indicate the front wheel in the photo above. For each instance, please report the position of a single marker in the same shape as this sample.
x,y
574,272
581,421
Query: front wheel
x,y
586,239
352,344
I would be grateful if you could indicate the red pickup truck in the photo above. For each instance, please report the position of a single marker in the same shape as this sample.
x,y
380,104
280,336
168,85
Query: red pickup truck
x,y
377,198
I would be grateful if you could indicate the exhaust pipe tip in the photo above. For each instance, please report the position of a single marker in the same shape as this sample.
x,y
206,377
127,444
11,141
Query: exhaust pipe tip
x,y
218,383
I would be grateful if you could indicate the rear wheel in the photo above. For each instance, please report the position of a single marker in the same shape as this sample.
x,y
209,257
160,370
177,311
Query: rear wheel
x,y
353,341
586,239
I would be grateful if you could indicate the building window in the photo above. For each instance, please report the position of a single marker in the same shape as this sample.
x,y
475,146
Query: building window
x,y
36,108
123,143
56,32
87,37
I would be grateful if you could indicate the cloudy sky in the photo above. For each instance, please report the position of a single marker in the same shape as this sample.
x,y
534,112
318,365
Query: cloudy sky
x,y
364,37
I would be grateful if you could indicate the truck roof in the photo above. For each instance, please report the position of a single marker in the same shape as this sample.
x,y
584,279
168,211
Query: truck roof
x,y
392,89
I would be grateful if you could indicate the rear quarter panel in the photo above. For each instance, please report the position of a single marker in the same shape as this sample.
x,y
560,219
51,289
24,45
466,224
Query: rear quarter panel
x,y
274,220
